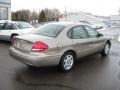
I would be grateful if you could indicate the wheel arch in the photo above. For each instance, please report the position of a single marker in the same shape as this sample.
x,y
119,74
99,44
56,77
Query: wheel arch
x,y
70,50
13,35
61,60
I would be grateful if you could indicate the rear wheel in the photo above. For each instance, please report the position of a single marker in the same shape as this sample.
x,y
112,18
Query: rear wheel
x,y
106,49
13,36
67,61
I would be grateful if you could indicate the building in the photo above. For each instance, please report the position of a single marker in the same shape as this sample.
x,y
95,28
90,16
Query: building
x,y
114,20
80,16
86,18
5,9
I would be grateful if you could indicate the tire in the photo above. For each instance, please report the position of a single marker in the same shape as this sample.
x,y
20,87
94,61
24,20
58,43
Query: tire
x,y
31,67
106,49
67,61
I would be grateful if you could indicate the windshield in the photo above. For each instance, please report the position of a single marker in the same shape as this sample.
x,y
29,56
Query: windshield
x,y
86,22
50,30
23,25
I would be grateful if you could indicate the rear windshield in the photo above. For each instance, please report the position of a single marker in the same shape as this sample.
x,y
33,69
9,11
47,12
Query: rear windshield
x,y
23,25
50,30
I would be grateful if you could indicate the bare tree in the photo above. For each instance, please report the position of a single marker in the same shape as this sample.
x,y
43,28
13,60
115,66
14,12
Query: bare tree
x,y
34,16
26,15
52,14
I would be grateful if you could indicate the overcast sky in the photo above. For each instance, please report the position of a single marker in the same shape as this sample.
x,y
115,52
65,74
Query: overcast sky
x,y
99,7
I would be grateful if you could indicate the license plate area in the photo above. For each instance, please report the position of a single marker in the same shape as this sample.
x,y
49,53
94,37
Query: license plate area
x,y
22,45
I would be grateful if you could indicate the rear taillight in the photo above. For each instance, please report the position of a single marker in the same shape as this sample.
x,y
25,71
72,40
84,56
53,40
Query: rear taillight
x,y
39,46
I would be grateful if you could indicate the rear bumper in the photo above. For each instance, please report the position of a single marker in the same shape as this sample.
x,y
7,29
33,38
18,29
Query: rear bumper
x,y
36,60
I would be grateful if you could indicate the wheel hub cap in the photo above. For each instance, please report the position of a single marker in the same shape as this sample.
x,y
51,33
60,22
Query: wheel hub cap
x,y
68,62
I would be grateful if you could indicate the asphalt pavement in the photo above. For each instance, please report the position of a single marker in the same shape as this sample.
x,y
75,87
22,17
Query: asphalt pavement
x,y
90,73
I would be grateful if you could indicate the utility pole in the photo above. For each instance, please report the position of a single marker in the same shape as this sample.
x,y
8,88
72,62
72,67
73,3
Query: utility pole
x,y
65,14
119,11
19,15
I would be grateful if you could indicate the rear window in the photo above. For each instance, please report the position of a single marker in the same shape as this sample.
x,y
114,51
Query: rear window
x,y
50,30
23,25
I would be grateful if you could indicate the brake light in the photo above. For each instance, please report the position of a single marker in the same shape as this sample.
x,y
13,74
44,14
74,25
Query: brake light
x,y
39,46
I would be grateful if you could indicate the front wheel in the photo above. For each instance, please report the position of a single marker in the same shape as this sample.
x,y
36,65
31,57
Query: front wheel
x,y
67,61
106,50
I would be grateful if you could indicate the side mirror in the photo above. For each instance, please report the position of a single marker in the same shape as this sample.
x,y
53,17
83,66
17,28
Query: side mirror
x,y
100,34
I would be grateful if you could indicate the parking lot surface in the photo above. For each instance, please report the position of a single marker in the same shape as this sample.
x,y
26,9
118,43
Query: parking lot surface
x,y
90,73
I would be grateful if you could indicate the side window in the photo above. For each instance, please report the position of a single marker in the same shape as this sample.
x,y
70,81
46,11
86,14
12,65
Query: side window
x,y
1,26
13,27
9,26
79,32
91,31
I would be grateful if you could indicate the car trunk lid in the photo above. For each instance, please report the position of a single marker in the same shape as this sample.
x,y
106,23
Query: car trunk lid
x,y
26,42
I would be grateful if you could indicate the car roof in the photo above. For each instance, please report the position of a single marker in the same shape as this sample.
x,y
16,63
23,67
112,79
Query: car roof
x,y
9,21
57,23
1,21
68,23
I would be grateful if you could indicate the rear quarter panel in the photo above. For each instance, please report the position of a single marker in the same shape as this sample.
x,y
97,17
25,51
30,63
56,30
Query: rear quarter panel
x,y
63,42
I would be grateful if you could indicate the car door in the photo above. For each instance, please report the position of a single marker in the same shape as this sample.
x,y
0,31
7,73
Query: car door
x,y
96,42
80,41
7,30
1,30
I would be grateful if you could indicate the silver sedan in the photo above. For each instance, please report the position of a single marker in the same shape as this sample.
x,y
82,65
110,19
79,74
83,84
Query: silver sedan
x,y
60,43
